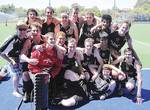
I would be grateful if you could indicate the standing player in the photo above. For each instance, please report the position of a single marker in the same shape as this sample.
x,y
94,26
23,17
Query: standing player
x,y
11,50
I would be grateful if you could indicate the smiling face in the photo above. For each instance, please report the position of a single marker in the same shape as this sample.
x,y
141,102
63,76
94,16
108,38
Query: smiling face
x,y
60,40
22,32
64,18
124,28
104,42
128,56
50,39
88,44
106,73
49,12
105,24
75,13
89,17
32,15
35,30
71,45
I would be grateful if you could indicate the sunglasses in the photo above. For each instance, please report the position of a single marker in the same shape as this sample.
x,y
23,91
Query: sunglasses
x,y
22,29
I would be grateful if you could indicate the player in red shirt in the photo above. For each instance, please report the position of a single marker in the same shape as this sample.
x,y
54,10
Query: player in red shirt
x,y
49,58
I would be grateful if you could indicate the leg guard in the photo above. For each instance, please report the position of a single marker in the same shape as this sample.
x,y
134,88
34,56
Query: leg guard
x,y
27,88
41,91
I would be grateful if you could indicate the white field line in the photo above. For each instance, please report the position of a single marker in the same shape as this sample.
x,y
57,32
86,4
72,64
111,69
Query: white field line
x,y
142,43
146,69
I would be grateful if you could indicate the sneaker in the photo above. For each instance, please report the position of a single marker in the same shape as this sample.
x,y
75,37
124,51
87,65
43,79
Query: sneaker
x,y
26,97
17,94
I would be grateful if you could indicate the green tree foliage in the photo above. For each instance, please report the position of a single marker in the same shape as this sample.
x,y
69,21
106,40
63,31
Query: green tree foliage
x,y
141,2
21,12
61,9
143,7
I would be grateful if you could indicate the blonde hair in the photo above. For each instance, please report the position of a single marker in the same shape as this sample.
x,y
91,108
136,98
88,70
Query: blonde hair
x,y
72,40
60,33
89,40
49,34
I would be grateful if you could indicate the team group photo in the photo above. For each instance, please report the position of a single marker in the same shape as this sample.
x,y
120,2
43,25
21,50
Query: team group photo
x,y
74,58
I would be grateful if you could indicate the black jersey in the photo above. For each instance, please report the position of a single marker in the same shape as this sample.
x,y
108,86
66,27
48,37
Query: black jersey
x,y
78,25
69,62
105,54
86,33
68,31
12,47
91,59
128,69
116,41
47,28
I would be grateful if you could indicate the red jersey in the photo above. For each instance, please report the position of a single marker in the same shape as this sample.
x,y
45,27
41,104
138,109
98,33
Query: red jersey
x,y
47,60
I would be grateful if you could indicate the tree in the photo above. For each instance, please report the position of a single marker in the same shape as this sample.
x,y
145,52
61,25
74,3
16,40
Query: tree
x,y
141,2
61,9
143,8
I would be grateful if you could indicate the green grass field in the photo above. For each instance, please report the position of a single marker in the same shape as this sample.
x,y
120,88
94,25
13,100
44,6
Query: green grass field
x,y
139,32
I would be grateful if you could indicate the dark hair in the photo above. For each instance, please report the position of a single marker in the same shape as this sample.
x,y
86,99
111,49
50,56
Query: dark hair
x,y
50,8
32,10
107,18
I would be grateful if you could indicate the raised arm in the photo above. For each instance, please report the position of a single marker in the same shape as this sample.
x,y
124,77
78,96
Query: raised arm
x,y
129,43
75,29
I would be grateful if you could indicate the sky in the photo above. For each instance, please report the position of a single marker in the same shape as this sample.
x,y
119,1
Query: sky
x,y
41,4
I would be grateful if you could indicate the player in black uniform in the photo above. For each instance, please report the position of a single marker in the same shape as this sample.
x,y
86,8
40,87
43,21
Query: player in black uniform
x,y
76,88
76,18
104,25
68,27
50,22
102,46
90,58
11,50
118,38
131,67
86,28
